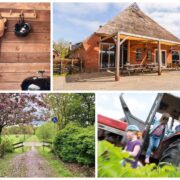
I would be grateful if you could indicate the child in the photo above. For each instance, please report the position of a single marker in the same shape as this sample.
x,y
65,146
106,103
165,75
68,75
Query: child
x,y
177,128
133,145
156,134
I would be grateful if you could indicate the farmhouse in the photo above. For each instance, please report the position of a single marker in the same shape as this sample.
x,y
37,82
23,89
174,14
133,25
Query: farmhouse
x,y
130,38
22,57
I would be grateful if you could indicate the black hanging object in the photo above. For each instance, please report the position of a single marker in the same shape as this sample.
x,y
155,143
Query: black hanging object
x,y
22,28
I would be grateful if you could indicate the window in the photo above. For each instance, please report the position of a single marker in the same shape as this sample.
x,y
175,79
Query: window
x,y
138,54
149,55
175,55
107,55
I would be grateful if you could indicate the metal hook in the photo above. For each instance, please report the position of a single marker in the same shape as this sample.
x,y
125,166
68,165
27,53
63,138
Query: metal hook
x,y
10,12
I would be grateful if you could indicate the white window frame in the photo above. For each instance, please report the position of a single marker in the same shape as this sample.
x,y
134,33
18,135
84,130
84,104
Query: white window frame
x,y
161,57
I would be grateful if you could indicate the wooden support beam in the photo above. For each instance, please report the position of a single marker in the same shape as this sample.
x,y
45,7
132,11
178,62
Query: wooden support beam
x,y
122,56
108,37
117,57
123,40
129,51
159,58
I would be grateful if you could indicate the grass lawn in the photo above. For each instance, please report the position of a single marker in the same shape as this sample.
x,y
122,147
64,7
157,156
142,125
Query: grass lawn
x,y
21,137
59,169
32,138
5,162
14,138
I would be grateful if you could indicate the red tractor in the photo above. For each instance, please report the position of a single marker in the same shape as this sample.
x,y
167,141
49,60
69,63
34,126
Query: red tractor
x,y
168,150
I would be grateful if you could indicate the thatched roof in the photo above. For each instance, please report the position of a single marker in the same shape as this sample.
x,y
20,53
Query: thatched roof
x,y
133,20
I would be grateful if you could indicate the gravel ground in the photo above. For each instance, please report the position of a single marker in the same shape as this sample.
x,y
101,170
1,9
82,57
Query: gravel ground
x,y
30,164
105,81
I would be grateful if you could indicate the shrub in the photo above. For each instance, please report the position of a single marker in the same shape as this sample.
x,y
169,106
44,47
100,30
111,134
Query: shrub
x,y
109,165
46,131
76,144
6,147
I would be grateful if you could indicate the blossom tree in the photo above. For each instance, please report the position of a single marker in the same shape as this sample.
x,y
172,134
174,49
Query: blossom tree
x,y
21,108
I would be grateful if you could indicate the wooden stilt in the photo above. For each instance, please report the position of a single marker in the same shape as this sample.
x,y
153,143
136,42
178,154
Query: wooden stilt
x,y
128,54
159,58
122,59
117,57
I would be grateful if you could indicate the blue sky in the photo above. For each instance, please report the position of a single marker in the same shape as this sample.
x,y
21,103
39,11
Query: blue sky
x,y
76,21
108,104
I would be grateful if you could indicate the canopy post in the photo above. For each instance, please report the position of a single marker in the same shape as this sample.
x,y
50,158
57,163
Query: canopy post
x,y
159,58
128,54
117,57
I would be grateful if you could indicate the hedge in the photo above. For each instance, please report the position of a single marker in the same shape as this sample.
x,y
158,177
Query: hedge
x,y
76,144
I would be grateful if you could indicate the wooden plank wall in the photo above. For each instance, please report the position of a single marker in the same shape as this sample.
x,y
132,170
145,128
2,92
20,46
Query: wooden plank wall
x,y
23,57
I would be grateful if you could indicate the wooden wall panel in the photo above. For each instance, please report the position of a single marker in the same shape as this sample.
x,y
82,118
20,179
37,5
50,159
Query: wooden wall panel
x,y
23,57
10,85
32,37
25,47
15,57
23,67
14,77
25,6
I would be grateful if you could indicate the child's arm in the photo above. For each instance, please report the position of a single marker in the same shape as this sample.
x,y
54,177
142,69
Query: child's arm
x,y
136,151
125,148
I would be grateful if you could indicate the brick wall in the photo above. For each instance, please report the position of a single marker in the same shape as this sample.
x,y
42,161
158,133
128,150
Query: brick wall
x,y
89,53
152,47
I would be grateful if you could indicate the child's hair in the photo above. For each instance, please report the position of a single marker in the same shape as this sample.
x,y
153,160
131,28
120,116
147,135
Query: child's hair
x,y
138,134
165,117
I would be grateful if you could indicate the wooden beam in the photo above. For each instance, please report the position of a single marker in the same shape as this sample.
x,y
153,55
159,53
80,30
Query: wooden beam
x,y
122,56
159,58
107,37
123,40
117,57
129,51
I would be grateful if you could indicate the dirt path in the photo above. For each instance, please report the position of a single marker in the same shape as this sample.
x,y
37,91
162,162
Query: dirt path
x,y
30,164
105,81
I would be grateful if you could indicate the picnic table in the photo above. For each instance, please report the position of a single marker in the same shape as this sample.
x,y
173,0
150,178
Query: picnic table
x,y
152,66
136,68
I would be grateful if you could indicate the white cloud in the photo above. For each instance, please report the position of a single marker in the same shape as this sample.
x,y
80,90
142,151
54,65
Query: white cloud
x,y
89,16
166,14
91,25
169,21
108,104
80,9
111,113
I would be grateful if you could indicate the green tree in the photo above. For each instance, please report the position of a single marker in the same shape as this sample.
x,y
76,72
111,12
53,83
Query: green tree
x,y
59,104
82,108
47,131
62,47
76,107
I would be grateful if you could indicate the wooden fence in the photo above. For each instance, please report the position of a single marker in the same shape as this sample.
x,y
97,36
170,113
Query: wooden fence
x,y
47,144
67,66
19,145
